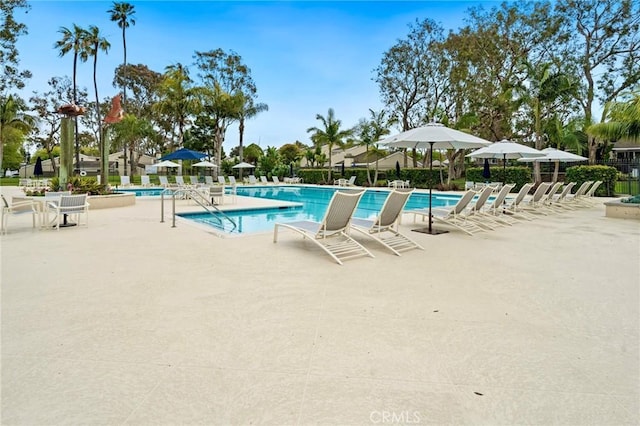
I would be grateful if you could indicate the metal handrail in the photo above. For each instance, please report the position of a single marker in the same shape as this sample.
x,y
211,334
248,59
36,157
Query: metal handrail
x,y
198,199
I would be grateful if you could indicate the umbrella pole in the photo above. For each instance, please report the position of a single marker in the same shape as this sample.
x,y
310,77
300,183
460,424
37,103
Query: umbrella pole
x,y
430,229
430,183
504,169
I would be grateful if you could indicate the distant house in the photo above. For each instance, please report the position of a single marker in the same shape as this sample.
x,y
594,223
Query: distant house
x,y
626,150
91,165
356,156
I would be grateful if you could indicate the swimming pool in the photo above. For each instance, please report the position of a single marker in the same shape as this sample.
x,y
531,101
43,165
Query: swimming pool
x,y
314,204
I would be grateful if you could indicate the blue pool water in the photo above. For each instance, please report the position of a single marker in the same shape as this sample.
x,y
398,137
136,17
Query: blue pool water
x,y
314,204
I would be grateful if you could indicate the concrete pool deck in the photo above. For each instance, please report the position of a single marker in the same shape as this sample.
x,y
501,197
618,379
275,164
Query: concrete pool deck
x,y
131,321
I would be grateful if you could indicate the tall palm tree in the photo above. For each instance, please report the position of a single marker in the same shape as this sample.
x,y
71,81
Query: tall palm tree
x,y
122,13
95,44
74,40
248,111
12,119
330,133
370,132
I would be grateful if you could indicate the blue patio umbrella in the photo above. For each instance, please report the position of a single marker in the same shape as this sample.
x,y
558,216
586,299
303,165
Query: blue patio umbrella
x,y
184,154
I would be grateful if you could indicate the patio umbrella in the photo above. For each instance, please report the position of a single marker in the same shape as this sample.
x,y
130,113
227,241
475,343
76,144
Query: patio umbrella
x,y
243,165
506,150
206,164
434,135
552,155
184,154
166,164
37,169
486,171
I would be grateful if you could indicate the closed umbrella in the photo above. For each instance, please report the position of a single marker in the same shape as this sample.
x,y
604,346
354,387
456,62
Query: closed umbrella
x,y
486,171
434,135
37,169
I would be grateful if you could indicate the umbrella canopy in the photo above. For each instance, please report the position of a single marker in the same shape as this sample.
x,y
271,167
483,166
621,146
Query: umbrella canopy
x,y
166,163
434,135
552,155
438,136
37,169
184,154
208,164
243,165
506,150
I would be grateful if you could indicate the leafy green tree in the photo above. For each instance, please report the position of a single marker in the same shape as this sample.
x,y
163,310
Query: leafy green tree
x,y
290,153
95,43
14,126
74,40
604,48
253,153
10,31
329,133
143,83
270,162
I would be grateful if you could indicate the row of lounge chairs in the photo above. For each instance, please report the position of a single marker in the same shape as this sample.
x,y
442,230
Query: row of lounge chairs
x,y
333,233
471,217
145,181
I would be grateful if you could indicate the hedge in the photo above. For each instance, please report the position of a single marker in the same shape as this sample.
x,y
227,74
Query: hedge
x,y
608,176
515,174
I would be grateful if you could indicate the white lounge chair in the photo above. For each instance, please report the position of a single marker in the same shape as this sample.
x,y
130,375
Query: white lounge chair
x,y
180,181
515,207
275,180
497,209
475,209
193,180
18,208
456,216
145,181
232,180
264,180
332,234
67,205
384,228
221,180
589,196
164,181
534,204
252,180
125,181
558,202
208,180
572,200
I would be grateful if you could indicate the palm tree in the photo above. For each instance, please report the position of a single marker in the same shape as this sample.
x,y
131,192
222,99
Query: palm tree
x,y
96,43
370,132
624,121
248,111
330,134
122,13
74,40
12,119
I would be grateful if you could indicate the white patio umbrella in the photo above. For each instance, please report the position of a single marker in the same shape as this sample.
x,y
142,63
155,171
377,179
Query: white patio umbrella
x,y
243,165
506,150
166,163
207,164
552,155
438,136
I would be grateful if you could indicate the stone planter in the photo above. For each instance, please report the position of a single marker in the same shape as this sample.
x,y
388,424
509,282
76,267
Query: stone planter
x,y
111,201
622,210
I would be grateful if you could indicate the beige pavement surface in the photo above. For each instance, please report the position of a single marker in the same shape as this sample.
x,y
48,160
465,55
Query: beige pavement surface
x,y
130,321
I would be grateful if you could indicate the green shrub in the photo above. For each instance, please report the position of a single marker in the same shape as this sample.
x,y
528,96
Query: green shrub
x,y
608,176
80,185
516,174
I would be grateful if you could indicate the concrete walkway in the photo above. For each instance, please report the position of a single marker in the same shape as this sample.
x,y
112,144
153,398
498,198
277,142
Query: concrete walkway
x,y
131,321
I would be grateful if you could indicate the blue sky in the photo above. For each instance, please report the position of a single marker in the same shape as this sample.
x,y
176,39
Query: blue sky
x,y
305,57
